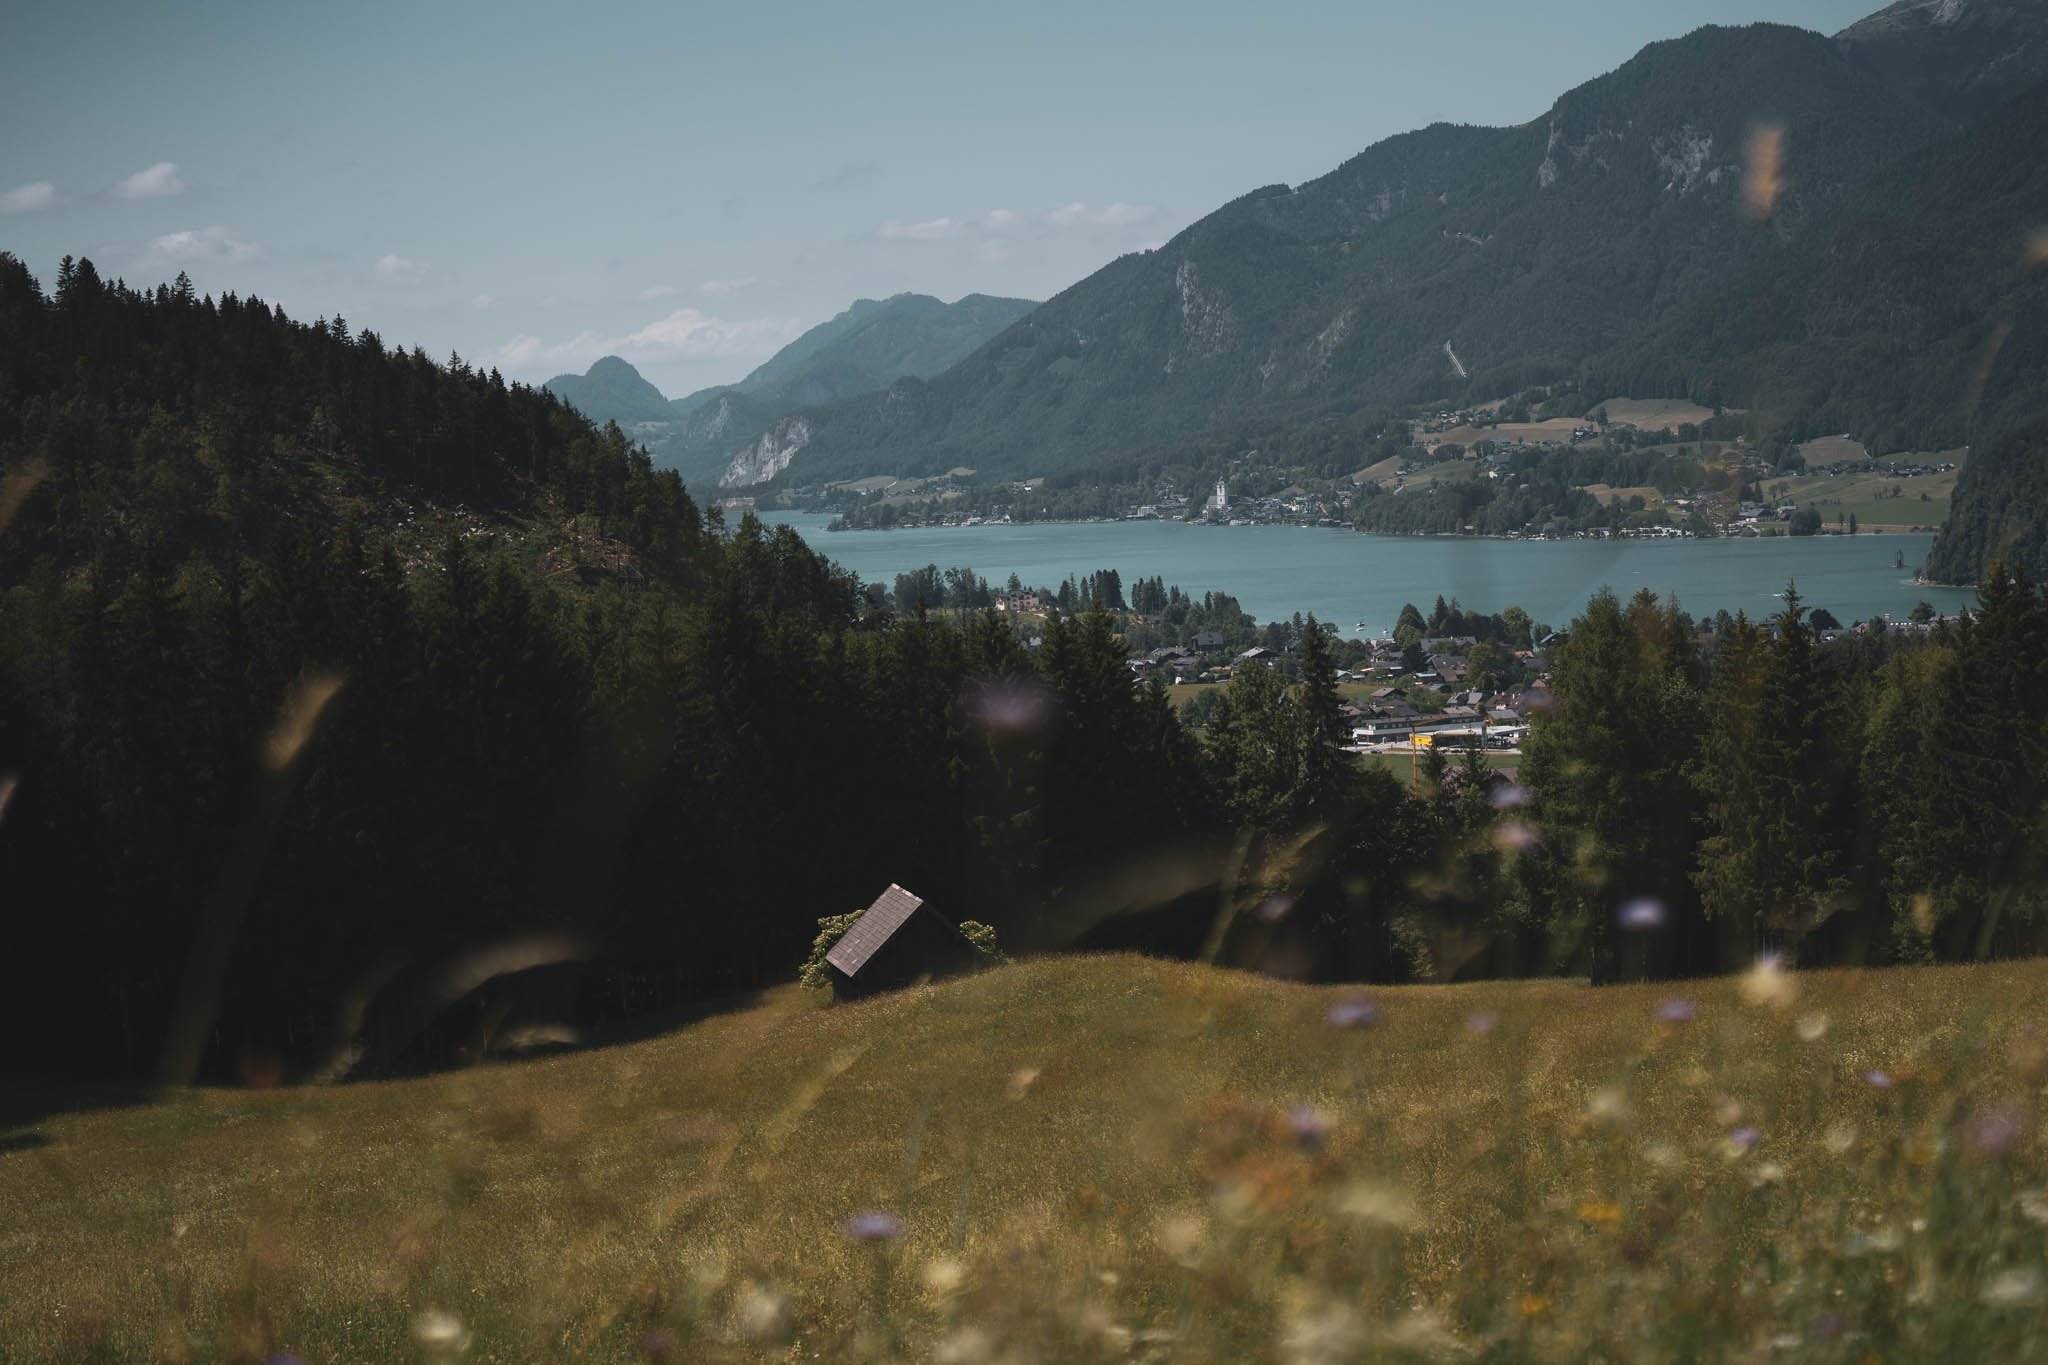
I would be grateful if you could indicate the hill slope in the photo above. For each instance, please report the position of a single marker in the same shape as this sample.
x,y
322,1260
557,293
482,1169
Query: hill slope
x,y
1528,249
1087,1153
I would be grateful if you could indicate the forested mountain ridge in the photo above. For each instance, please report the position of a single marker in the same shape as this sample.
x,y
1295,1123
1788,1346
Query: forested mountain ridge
x,y
1526,250
1963,57
861,350
1916,317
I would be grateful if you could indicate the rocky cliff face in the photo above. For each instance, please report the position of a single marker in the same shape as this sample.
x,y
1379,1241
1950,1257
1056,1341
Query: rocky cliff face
x,y
769,454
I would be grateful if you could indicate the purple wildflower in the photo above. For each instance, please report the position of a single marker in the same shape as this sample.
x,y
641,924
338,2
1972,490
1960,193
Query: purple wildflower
x,y
1354,1012
1642,914
1274,908
1877,1080
1510,796
1994,1131
1308,1125
874,1226
1675,1011
656,1345
1744,1139
1481,1022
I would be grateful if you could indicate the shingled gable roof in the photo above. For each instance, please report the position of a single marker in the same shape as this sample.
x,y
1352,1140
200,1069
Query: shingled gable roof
x,y
877,924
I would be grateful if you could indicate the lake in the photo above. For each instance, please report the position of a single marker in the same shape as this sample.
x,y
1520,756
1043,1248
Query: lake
x,y
1348,578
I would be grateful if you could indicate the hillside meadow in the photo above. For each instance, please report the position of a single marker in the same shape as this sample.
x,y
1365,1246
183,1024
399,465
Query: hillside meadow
x,y
1099,1158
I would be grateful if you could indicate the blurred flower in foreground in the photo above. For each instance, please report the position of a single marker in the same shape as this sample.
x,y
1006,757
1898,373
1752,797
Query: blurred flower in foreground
x,y
2033,1205
762,1316
1371,1202
8,782
1274,908
874,1226
1763,171
1675,1011
1012,706
440,1332
1839,1138
1308,1125
1642,915
1509,796
943,1275
1742,1141
1768,983
1812,1027
656,1345
1877,1080
1354,1012
2020,1287
1481,1022
1995,1130
1021,1081
1514,836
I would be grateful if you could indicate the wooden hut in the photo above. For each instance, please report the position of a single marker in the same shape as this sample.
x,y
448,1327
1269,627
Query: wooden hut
x,y
897,941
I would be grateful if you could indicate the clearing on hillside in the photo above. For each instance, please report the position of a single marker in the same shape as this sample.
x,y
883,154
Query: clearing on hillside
x,y
1094,1158
1655,414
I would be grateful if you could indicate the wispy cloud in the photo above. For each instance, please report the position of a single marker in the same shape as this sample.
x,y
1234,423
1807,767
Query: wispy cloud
x,y
930,230
155,182
482,301
1080,214
853,175
30,198
716,288
999,225
196,244
658,291
393,267
686,333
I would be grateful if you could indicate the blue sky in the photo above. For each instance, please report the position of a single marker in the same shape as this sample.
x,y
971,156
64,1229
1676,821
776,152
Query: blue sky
x,y
690,185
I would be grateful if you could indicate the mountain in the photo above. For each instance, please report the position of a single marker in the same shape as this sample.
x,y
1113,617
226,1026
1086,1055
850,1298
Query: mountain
x,y
1447,264
1917,317
1963,57
863,349
2000,512
611,391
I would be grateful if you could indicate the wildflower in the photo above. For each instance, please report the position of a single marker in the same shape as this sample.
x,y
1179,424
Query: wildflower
x,y
1600,1212
1021,1081
1994,1131
657,1345
1274,908
1742,1141
1827,1327
1514,836
1879,1242
874,1226
762,1316
1181,1235
1812,1027
1675,1011
1314,1333
1481,1022
2033,1205
1642,915
943,1275
1839,1138
968,1346
1767,983
1769,1173
1354,1012
1369,1202
1308,1125
440,1332
1510,796
1877,1080
1607,1105
1531,1305
2020,1287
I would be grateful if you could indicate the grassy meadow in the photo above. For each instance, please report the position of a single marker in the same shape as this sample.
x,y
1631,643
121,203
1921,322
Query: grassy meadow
x,y
1103,1158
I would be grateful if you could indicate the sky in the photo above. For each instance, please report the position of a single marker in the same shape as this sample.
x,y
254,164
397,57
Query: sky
x,y
692,185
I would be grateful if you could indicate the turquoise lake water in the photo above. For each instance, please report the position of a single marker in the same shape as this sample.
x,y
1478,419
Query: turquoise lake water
x,y
1348,578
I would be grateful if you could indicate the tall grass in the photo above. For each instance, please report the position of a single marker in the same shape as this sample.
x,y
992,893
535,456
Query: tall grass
x,y
1101,1158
